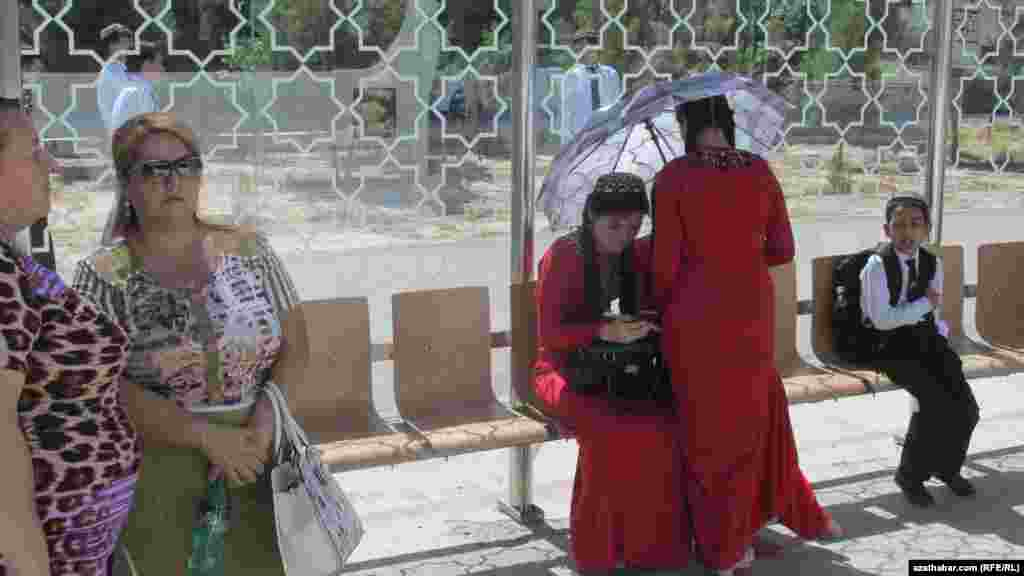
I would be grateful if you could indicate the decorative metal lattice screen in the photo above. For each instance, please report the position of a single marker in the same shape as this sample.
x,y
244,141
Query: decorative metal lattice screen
x,y
318,116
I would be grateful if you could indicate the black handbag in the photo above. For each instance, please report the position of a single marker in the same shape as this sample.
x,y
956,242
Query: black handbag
x,y
624,373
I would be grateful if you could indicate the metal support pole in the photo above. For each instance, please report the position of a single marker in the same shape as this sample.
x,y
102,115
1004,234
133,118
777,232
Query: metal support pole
x,y
524,34
10,51
941,73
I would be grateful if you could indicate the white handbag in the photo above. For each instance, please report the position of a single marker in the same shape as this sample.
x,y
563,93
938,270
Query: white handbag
x,y
317,526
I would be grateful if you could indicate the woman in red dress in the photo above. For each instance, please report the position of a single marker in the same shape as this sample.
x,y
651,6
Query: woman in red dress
x,y
628,501
720,223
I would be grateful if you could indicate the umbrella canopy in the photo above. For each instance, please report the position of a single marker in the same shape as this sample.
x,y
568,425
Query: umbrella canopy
x,y
639,134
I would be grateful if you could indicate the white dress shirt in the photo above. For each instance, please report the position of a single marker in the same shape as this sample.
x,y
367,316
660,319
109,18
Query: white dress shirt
x,y
113,78
577,105
137,97
874,295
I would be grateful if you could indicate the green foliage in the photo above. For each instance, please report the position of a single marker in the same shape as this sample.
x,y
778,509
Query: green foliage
x,y
817,63
584,16
250,53
873,64
795,18
685,62
753,10
376,113
750,59
720,27
847,24
839,172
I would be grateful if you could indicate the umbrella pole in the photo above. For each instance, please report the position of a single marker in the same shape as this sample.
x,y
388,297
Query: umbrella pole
x,y
654,135
625,141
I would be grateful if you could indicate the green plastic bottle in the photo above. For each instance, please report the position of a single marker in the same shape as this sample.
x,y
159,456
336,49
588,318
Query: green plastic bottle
x,y
208,534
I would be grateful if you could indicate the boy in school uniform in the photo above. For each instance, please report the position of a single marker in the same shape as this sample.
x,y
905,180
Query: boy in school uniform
x,y
915,354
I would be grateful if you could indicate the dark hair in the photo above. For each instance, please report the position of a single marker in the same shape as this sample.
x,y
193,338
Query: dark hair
x,y
907,201
148,51
713,112
114,33
613,193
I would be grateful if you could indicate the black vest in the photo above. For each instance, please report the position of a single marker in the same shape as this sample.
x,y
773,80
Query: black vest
x,y
927,265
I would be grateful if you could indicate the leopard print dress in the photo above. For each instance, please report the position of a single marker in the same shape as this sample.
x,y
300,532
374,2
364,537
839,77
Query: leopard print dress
x,y
84,450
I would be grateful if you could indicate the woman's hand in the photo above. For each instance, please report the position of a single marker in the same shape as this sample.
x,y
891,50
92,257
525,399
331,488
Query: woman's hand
x,y
240,452
625,330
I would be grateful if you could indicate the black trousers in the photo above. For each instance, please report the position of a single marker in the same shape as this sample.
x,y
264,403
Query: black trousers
x,y
920,360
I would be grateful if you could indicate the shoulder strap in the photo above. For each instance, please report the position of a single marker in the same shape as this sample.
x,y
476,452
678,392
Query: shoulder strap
x,y
893,273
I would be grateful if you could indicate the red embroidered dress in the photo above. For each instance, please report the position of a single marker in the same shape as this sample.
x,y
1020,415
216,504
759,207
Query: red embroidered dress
x,y
628,503
720,222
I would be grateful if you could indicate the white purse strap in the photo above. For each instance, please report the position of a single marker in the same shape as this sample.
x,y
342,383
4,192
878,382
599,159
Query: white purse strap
x,y
286,429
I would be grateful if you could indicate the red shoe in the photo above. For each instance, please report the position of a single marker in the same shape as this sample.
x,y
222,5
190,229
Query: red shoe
x,y
833,531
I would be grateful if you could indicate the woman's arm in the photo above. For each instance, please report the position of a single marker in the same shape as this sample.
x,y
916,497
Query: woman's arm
x,y
557,294
238,451
283,296
161,421
21,534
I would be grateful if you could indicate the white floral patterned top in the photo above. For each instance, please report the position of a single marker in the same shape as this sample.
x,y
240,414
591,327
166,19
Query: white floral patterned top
x,y
206,350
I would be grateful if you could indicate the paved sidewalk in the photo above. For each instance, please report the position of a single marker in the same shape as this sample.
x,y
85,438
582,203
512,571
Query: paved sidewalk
x,y
439,518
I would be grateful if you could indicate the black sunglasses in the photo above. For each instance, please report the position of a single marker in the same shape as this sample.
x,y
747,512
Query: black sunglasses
x,y
190,166
27,102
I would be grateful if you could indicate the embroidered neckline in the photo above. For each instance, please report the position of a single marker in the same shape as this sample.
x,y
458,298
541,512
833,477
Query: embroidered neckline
x,y
721,158
44,283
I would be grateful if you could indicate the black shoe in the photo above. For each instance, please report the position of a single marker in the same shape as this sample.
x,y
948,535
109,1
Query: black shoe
x,y
915,492
960,486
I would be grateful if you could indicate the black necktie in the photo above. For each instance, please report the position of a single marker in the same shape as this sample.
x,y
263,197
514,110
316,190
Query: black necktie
x,y
911,274
595,93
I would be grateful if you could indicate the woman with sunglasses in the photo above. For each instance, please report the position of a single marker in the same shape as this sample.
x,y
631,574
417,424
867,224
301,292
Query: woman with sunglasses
x,y
201,304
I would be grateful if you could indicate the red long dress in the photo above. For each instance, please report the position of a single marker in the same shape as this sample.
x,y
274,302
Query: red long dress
x,y
720,222
628,500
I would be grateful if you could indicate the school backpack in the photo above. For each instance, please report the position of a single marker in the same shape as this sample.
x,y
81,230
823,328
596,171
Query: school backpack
x,y
854,340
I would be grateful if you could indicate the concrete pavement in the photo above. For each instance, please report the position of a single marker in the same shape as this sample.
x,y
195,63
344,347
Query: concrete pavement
x,y
437,518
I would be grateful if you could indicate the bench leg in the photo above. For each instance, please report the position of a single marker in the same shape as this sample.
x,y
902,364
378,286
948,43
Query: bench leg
x,y
520,506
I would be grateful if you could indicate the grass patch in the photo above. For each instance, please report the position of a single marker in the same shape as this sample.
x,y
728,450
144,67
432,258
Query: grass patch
x,y
986,141
446,231
491,233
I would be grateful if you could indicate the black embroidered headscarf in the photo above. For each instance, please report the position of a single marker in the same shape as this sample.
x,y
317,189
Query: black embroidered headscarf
x,y
617,192
696,115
